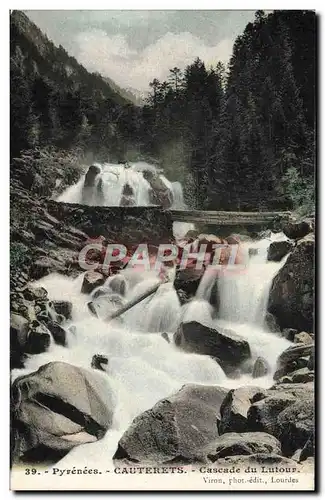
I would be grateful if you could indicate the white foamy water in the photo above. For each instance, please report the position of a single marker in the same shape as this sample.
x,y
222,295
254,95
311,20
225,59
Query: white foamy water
x,y
142,366
113,178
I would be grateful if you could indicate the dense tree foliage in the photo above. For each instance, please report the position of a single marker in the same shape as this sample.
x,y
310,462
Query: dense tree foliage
x,y
55,101
242,133
241,137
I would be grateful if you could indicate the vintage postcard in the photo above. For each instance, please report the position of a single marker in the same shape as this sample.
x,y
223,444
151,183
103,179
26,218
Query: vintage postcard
x,y
162,235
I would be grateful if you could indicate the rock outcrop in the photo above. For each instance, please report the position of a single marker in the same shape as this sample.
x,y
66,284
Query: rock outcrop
x,y
246,443
57,408
291,297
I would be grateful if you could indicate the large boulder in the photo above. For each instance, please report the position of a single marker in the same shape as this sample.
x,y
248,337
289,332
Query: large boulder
x,y
246,443
57,408
235,406
177,429
225,345
279,249
291,297
272,414
294,228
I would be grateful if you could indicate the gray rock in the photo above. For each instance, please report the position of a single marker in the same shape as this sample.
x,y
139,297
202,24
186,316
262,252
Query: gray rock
x,y
296,425
188,280
309,449
311,362
91,280
165,337
230,349
246,443
295,229
33,293
298,390
63,307
279,249
39,338
261,368
99,362
289,333
57,408
303,362
303,338
58,333
271,323
177,429
235,406
287,361
263,415
19,327
302,375
291,297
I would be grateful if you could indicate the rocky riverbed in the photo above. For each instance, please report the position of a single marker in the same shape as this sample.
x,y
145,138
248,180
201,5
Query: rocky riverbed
x,y
58,405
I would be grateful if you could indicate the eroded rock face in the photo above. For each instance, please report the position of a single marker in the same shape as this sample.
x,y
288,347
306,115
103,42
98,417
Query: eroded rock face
x,y
56,408
230,349
177,429
296,425
246,443
287,412
289,359
291,298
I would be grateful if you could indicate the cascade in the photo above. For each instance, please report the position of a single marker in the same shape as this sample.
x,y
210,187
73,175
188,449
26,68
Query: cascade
x,y
143,367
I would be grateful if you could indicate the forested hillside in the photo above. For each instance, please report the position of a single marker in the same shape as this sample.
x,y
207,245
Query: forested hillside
x,y
245,135
237,137
56,101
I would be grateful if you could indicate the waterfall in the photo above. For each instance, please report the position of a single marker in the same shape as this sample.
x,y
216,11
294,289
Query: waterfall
x,y
113,178
142,366
243,292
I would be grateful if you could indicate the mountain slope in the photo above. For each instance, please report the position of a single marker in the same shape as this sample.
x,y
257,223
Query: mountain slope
x,y
56,101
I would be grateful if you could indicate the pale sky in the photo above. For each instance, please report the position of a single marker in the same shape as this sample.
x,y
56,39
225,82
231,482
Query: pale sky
x,y
134,47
